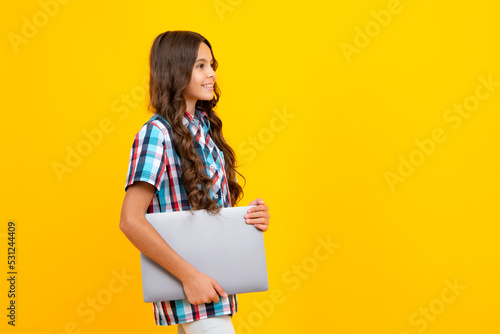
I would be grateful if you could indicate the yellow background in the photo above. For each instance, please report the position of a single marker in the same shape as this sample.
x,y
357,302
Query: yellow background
x,y
321,169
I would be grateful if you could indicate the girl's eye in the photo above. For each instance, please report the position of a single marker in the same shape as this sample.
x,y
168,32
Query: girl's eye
x,y
201,65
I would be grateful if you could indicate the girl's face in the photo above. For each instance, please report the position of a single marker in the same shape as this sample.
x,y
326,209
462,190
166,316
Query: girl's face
x,y
202,79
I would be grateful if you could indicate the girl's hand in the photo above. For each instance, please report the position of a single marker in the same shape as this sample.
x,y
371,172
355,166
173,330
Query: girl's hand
x,y
258,215
201,288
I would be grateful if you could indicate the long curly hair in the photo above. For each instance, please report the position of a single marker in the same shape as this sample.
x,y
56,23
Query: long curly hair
x,y
171,62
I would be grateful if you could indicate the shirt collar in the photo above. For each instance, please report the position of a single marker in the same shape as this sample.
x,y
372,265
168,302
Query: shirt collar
x,y
198,114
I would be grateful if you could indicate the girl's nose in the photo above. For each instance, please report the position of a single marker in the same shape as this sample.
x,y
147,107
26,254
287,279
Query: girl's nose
x,y
212,75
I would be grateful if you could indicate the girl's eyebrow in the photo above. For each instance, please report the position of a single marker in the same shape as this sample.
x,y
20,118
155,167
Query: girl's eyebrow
x,y
202,59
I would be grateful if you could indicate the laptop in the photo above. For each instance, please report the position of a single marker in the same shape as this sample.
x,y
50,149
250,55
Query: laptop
x,y
223,246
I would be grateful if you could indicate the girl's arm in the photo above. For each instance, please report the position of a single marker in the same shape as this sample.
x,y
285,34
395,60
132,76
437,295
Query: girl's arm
x,y
198,287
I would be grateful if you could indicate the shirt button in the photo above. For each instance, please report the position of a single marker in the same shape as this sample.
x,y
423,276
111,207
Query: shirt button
x,y
216,196
212,166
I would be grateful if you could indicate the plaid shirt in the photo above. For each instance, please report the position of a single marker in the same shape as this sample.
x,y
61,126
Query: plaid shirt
x,y
153,159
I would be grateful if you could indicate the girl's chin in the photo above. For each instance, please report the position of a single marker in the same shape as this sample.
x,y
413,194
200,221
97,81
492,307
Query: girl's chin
x,y
206,97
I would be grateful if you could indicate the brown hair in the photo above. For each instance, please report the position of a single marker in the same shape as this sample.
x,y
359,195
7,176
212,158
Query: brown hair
x,y
171,62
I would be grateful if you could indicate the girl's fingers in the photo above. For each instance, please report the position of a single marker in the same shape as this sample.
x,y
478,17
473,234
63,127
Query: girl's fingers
x,y
255,214
262,227
258,215
252,217
219,290
257,209
257,221
257,202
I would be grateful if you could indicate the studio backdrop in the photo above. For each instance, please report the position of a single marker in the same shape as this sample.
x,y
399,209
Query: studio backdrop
x,y
370,128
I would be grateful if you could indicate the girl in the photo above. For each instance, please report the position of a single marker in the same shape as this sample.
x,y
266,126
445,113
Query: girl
x,y
180,161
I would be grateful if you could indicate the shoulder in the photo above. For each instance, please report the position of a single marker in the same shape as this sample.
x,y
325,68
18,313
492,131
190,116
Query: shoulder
x,y
155,128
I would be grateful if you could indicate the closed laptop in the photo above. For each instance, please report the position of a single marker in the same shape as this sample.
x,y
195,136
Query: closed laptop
x,y
223,246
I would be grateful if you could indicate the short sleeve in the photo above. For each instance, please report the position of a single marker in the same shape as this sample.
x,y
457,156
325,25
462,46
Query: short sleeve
x,y
147,157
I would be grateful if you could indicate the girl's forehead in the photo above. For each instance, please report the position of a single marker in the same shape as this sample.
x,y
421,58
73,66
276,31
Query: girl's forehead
x,y
204,53
204,49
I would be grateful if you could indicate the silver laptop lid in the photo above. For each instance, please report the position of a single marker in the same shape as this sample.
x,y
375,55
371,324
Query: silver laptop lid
x,y
223,246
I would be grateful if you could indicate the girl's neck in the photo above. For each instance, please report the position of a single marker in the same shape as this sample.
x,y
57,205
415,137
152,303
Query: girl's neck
x,y
190,106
